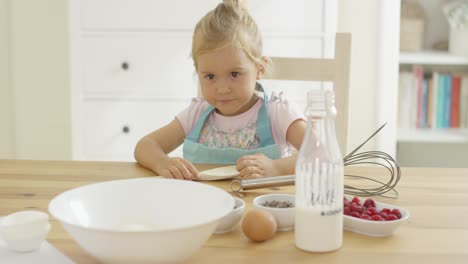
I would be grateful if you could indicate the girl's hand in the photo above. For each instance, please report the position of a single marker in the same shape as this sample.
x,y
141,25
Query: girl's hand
x,y
256,166
177,168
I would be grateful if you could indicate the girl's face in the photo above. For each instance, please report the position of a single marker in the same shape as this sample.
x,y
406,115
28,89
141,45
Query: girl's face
x,y
227,79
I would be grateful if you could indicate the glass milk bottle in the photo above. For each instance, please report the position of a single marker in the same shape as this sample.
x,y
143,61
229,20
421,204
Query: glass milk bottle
x,y
319,178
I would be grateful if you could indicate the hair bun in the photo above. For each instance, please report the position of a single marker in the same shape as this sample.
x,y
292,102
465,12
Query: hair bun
x,y
236,4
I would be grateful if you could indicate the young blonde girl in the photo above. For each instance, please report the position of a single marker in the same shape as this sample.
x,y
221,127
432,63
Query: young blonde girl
x,y
234,122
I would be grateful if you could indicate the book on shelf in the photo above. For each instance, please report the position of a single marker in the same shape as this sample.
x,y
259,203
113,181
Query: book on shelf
x,y
455,103
432,99
440,101
463,101
447,101
423,117
434,103
407,98
418,72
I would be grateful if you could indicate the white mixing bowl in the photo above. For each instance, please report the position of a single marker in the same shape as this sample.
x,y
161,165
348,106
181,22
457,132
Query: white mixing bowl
x,y
142,220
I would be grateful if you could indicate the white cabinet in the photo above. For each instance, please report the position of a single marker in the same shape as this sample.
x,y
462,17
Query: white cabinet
x,y
141,15
137,64
112,127
131,70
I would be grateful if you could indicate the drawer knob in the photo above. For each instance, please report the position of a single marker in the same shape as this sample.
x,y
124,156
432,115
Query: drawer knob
x,y
125,65
126,129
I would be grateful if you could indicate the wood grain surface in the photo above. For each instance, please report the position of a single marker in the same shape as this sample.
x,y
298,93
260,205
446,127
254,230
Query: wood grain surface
x,y
436,232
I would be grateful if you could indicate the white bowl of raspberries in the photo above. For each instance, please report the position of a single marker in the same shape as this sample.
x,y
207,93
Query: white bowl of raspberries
x,y
368,217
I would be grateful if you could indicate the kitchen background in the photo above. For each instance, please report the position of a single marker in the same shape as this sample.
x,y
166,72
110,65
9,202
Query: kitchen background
x,y
50,61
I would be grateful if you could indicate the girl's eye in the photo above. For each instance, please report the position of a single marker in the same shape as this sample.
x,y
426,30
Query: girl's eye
x,y
209,76
235,74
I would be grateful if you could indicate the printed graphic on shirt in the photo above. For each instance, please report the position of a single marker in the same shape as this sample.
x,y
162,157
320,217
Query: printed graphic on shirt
x,y
245,138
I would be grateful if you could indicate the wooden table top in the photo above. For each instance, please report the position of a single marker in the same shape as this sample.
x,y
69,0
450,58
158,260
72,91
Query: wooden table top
x,y
436,232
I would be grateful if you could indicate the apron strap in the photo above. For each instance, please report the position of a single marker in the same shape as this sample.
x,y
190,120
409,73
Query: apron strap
x,y
263,121
195,134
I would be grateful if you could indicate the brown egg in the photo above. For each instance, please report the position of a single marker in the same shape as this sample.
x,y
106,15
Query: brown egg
x,y
259,225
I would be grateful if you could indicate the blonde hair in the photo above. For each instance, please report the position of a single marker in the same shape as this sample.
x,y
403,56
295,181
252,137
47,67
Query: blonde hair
x,y
228,24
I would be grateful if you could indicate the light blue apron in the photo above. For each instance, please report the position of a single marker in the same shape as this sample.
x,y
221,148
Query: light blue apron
x,y
199,153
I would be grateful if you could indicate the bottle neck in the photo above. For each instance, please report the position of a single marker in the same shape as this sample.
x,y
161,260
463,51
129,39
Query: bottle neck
x,y
321,126
320,114
320,133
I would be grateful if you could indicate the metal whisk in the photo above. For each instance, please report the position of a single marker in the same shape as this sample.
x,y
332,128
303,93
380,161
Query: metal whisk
x,y
379,158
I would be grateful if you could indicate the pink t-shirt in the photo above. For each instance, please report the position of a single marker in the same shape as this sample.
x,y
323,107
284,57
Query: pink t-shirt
x,y
281,113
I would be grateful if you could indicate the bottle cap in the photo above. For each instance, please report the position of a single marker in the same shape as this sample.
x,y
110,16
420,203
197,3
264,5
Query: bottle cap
x,y
320,102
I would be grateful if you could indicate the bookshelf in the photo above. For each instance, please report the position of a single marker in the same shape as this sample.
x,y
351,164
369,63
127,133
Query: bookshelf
x,y
433,60
432,144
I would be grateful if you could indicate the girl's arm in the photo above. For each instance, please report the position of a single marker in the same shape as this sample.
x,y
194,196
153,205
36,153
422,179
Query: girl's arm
x,y
294,136
151,152
254,166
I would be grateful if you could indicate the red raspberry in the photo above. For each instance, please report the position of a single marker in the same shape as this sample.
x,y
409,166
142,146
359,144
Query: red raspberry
x,y
356,214
365,216
377,218
355,208
383,215
346,203
369,203
365,211
397,213
391,217
372,211
385,210
356,200
347,211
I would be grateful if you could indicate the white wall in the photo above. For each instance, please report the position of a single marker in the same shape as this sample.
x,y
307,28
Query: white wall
x,y
360,18
39,78
6,125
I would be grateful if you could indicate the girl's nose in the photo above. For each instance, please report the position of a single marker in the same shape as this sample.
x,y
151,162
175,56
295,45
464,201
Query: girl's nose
x,y
223,88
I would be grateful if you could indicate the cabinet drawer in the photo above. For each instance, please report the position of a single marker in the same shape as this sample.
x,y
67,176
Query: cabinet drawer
x,y
272,16
112,129
144,14
154,64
